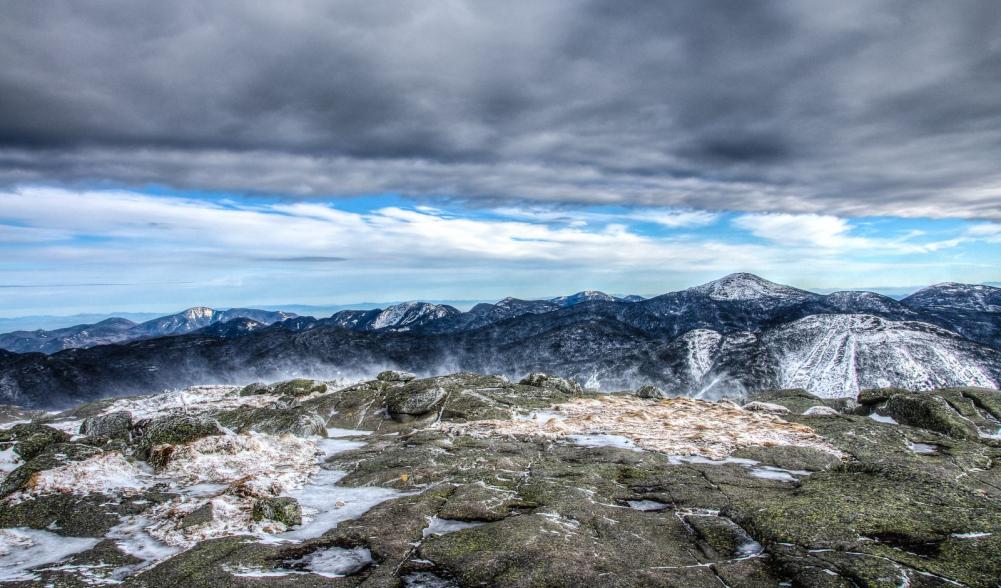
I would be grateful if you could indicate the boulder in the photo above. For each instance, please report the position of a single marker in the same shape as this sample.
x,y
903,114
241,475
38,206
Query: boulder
x,y
172,430
414,399
928,411
299,387
650,392
275,421
873,396
540,380
395,376
766,407
281,509
117,425
32,439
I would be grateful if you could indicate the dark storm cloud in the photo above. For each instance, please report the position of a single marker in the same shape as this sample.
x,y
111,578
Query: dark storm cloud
x,y
850,107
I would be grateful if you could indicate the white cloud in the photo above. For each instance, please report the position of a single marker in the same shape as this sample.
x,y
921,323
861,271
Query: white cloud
x,y
832,234
303,229
990,232
244,252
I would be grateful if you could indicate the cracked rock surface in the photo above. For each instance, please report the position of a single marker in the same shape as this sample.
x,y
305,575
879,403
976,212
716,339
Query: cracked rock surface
x,y
484,482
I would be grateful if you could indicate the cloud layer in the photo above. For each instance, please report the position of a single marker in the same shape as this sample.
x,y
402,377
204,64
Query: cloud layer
x,y
75,251
853,109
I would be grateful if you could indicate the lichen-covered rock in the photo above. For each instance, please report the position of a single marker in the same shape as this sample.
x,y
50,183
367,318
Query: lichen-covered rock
x,y
116,425
395,376
928,411
32,439
297,421
650,392
172,430
281,509
873,396
300,387
76,515
766,407
541,380
820,411
415,398
255,389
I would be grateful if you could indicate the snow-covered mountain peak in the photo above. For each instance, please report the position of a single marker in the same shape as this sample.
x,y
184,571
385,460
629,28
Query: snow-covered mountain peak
x,y
744,286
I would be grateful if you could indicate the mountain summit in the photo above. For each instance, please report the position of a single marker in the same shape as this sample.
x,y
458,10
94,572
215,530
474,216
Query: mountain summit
x,y
744,286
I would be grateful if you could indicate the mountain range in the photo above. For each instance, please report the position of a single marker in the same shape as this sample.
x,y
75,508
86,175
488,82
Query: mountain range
x,y
724,338
118,330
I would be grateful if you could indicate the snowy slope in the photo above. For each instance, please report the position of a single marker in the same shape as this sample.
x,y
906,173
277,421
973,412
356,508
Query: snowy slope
x,y
838,355
410,315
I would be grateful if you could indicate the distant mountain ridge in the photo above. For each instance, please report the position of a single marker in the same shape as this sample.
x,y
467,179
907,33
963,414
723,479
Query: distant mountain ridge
x,y
723,338
118,330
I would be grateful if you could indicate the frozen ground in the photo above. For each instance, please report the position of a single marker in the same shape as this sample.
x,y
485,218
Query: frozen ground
x,y
676,426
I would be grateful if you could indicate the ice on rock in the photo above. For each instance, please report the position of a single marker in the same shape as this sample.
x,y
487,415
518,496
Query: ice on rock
x,y
603,440
337,562
879,418
646,505
22,550
334,432
325,504
922,448
438,526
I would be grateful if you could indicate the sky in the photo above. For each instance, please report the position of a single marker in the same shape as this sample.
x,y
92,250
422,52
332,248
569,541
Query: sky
x,y
155,156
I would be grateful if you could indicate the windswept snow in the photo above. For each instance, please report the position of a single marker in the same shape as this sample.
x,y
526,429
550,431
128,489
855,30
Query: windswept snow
x,y
189,400
107,473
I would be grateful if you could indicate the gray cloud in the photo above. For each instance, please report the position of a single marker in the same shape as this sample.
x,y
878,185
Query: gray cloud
x,y
856,108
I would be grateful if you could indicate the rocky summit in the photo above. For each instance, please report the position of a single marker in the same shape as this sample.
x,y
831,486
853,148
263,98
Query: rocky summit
x,y
472,480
